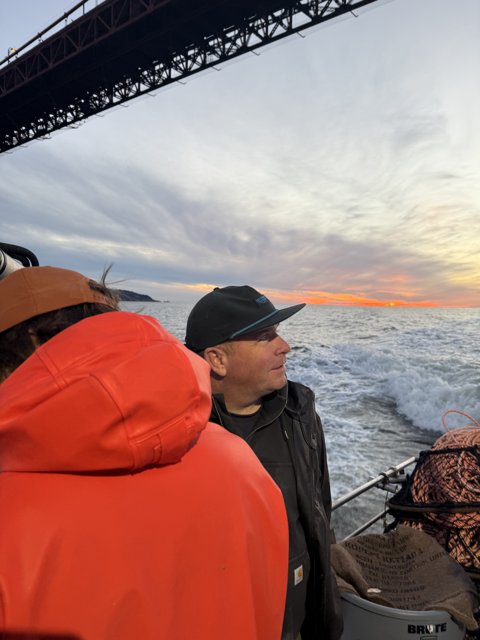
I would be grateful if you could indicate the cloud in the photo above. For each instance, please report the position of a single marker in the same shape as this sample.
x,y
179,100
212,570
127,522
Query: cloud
x,y
332,163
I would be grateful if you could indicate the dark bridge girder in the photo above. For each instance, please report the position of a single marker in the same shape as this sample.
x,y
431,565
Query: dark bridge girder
x,y
124,48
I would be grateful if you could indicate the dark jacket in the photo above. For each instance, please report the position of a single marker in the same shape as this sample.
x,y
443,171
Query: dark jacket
x,y
288,422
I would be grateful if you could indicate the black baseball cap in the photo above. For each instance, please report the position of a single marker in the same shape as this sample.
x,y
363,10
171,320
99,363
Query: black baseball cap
x,y
229,312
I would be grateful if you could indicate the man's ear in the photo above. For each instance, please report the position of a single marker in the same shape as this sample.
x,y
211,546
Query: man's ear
x,y
217,359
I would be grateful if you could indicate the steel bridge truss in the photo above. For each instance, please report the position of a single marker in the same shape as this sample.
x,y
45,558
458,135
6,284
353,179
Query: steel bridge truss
x,y
91,65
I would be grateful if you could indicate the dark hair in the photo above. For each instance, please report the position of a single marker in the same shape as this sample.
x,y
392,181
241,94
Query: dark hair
x,y
16,343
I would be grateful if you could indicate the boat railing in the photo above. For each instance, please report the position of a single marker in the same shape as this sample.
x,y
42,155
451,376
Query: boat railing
x,y
389,481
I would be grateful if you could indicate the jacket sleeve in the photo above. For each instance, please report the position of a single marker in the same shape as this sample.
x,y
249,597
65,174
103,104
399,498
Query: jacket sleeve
x,y
333,616
323,616
323,476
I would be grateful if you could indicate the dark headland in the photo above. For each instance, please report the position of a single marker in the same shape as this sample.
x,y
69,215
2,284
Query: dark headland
x,y
132,296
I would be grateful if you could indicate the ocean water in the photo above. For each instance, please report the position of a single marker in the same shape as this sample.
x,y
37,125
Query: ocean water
x,y
383,378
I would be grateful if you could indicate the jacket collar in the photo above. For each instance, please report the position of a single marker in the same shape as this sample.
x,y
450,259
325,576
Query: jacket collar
x,y
273,405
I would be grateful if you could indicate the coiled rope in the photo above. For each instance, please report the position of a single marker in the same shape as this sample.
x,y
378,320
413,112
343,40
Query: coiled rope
x,y
446,484
455,477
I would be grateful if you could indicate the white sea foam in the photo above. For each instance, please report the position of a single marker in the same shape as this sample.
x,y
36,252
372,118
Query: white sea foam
x,y
426,362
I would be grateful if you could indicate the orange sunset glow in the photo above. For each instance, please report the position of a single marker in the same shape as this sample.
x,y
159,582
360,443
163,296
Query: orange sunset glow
x,y
325,298
346,299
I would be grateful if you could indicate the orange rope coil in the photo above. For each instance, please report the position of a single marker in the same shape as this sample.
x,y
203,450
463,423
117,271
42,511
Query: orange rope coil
x,y
449,475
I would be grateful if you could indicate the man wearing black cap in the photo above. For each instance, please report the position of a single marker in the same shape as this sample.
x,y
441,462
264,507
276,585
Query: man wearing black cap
x,y
235,329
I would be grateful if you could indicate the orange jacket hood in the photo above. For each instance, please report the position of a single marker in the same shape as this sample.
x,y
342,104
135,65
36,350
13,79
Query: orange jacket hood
x,y
48,403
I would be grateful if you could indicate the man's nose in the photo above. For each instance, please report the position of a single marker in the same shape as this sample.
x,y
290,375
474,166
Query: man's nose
x,y
282,345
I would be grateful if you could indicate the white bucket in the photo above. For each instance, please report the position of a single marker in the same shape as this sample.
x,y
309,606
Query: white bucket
x,y
364,620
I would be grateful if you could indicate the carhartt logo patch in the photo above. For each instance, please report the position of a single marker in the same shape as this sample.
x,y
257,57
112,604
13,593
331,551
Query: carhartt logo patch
x,y
261,300
298,575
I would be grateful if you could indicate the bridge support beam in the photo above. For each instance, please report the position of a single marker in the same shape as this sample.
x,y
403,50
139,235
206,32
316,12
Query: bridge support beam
x,y
125,48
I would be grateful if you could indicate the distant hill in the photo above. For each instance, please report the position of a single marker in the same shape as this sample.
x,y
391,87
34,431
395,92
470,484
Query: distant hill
x,y
132,296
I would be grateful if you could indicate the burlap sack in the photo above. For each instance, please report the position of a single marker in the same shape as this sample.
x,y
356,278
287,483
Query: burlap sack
x,y
405,569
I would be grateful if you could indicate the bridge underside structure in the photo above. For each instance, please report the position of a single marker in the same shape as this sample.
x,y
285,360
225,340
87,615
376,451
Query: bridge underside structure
x,y
122,49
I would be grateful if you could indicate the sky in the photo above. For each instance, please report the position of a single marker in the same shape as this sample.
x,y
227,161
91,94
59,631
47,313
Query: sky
x,y
341,167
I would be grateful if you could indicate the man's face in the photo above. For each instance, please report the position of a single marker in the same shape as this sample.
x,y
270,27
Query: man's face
x,y
256,362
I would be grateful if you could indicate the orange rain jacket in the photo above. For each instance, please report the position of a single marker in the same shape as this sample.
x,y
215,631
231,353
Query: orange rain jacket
x,y
118,521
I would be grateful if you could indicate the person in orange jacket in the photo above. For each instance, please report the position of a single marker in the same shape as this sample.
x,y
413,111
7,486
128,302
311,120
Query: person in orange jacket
x,y
125,514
